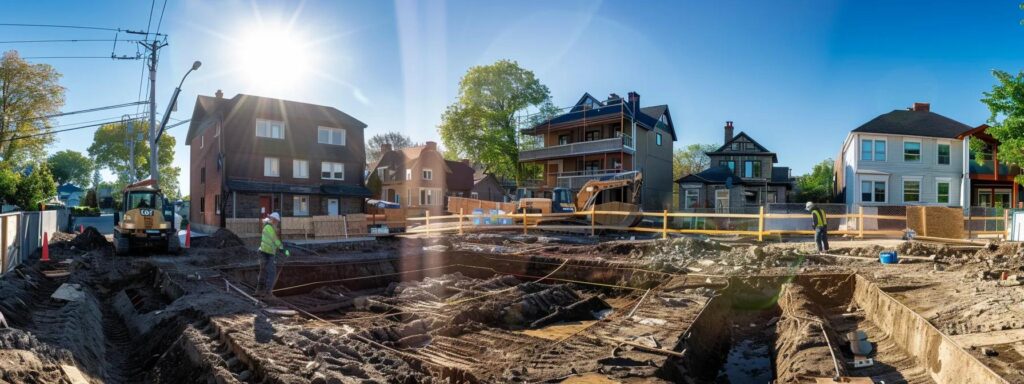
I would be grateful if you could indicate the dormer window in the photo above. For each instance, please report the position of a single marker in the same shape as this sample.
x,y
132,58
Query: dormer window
x,y
270,129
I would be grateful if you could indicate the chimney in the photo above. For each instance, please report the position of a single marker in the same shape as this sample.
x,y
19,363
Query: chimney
x,y
634,98
385,148
921,107
219,94
431,145
728,132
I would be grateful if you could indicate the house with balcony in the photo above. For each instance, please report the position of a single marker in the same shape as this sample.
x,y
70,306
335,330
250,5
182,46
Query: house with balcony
x,y
420,177
253,155
596,139
990,182
904,157
742,174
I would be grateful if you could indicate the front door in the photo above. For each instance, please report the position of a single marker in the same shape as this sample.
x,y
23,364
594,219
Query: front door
x,y
332,207
551,177
265,207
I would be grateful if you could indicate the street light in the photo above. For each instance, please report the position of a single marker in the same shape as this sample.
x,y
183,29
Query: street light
x,y
154,145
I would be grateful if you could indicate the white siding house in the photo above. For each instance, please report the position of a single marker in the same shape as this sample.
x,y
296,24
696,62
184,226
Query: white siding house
x,y
904,157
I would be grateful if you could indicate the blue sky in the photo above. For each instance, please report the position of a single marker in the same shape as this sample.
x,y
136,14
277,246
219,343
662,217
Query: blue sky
x,y
795,75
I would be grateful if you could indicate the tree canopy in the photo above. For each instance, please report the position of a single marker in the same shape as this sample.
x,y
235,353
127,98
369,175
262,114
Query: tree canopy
x,y
1006,123
34,188
110,151
816,186
691,159
396,139
70,166
481,124
28,93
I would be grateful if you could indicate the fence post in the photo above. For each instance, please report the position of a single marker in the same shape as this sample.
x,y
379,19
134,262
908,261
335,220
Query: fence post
x,y
924,221
664,225
524,221
460,221
591,220
428,222
344,224
860,221
1006,224
760,223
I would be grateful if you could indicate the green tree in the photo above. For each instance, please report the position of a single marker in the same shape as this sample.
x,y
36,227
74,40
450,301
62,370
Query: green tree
x,y
816,186
28,93
691,159
396,139
35,188
481,124
70,167
9,180
96,179
110,151
90,199
1006,123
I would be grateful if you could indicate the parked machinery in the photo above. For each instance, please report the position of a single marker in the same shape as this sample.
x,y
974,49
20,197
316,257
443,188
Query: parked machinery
x,y
145,219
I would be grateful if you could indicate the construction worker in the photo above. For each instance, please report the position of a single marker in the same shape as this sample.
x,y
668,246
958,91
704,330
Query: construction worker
x,y
819,221
270,244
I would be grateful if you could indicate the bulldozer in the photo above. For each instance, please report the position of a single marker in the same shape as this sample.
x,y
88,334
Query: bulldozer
x,y
145,220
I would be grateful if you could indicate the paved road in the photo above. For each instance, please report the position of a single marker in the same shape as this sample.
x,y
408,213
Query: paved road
x,y
104,223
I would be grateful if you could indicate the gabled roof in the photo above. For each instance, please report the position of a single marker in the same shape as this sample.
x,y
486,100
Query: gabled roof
x,y
761,150
914,123
713,175
210,106
646,117
68,188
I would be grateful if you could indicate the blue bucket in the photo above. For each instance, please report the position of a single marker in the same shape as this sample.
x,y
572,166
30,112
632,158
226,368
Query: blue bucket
x,y
888,257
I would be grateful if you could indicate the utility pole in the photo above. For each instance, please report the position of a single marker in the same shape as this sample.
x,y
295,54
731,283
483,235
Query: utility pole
x,y
130,142
154,145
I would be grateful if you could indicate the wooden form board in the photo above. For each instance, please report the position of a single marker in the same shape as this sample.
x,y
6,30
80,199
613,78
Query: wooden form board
x,y
466,205
944,222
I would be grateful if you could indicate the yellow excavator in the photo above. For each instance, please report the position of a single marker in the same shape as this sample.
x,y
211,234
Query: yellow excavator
x,y
146,219
589,196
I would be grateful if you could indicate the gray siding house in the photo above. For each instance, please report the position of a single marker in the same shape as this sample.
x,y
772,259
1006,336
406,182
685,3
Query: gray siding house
x,y
904,157
742,175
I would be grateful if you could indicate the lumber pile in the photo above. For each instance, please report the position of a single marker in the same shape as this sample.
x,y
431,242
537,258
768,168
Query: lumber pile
x,y
325,227
942,222
293,227
467,205
242,227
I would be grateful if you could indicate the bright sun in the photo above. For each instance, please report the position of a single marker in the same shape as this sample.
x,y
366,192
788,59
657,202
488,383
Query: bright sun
x,y
274,58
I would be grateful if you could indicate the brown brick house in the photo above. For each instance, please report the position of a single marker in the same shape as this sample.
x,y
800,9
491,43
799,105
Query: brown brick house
x,y
420,177
252,155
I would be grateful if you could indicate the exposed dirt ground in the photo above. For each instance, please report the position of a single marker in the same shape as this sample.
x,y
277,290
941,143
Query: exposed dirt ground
x,y
496,308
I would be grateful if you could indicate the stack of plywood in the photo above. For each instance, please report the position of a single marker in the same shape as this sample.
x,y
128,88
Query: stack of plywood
x,y
468,205
244,227
327,227
944,222
293,227
356,224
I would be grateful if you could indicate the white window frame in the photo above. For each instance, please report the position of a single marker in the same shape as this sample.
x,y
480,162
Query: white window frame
x,y
427,174
270,129
873,179
202,142
949,189
920,187
874,153
474,195
332,168
431,199
300,205
381,172
271,167
408,174
657,138
946,143
920,148
300,169
691,192
330,135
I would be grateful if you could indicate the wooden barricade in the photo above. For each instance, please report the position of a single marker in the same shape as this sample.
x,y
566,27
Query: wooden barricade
x,y
244,227
292,227
942,222
468,205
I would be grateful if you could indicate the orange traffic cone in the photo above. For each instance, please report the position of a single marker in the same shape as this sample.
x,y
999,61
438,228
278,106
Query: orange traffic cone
x,y
188,236
46,247
81,228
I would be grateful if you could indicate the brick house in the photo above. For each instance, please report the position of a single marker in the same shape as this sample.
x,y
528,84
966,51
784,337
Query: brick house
x,y
420,177
252,155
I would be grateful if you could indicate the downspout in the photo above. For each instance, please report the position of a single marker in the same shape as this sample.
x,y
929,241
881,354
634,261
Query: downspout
x,y
965,178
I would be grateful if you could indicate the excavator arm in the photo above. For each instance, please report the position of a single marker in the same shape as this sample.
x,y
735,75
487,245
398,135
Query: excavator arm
x,y
589,192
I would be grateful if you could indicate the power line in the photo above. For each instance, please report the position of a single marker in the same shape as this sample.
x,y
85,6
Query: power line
x,y
159,23
62,41
59,131
74,27
66,57
80,111
152,3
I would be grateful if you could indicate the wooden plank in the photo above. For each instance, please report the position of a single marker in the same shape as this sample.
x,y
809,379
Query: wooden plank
x,y
73,375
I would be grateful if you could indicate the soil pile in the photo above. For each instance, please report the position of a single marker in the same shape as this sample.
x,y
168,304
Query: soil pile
x,y
696,255
223,238
90,240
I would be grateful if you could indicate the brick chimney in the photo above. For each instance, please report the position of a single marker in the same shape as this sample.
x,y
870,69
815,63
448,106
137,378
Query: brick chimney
x,y
431,145
634,99
385,148
921,107
219,94
728,132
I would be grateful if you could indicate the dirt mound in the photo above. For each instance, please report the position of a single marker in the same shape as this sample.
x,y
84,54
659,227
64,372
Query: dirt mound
x,y
223,238
90,240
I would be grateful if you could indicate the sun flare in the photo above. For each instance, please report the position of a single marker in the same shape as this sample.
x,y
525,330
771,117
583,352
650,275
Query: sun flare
x,y
274,58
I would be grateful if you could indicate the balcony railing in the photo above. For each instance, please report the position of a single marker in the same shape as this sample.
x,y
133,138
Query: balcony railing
x,y
622,143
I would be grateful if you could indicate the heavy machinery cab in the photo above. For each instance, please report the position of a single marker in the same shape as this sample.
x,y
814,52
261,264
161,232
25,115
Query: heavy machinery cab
x,y
145,218
562,201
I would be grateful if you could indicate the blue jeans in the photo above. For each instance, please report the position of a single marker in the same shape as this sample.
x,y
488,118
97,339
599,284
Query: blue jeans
x,y
821,238
266,283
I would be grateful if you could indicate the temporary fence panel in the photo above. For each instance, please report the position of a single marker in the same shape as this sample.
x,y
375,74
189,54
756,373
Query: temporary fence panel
x,y
986,221
933,221
244,227
10,247
455,204
1017,229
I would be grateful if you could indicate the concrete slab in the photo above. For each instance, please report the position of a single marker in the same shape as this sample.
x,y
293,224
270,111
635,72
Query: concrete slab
x,y
68,292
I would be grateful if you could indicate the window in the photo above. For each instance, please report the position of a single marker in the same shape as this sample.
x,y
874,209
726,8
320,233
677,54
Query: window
x,y
943,154
428,174
271,167
300,169
751,168
332,171
300,205
474,195
872,150
408,174
381,172
731,164
942,191
592,135
911,191
722,200
332,136
616,163
428,196
690,199
216,204
270,129
202,142
657,138
563,139
911,150
872,191
202,175
592,166
202,204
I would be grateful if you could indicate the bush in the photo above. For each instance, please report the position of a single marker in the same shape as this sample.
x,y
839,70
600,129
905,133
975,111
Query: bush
x,y
82,211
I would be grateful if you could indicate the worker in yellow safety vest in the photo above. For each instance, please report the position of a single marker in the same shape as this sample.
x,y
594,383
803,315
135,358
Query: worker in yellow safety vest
x,y
270,244
819,221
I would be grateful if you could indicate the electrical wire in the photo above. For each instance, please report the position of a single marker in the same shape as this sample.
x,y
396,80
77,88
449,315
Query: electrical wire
x,y
52,132
62,41
161,21
122,105
152,3
66,57
59,26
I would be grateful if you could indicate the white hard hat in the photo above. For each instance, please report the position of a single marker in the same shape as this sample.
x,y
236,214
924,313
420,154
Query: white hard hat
x,y
809,205
274,216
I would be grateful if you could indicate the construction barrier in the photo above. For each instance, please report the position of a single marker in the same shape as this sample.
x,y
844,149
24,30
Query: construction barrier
x,y
321,227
